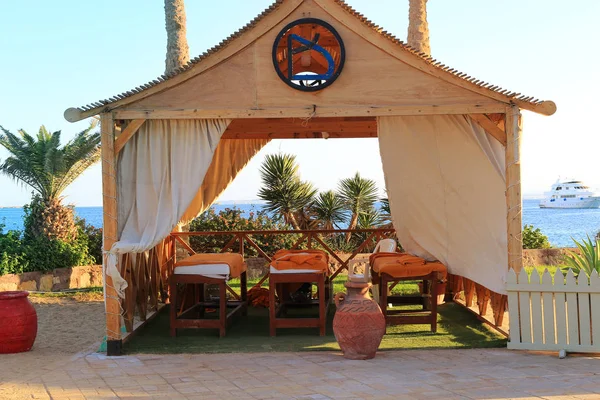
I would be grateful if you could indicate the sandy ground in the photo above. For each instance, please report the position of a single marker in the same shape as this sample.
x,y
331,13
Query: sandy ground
x,y
66,327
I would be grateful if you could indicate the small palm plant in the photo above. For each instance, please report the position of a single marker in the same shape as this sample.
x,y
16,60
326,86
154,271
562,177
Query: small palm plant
x,y
42,164
359,195
328,210
386,213
589,259
286,195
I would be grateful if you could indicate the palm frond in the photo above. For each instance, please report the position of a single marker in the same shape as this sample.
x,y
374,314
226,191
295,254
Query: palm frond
x,y
328,210
285,194
359,193
42,164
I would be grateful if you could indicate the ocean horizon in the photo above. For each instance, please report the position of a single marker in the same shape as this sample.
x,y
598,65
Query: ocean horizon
x,y
560,225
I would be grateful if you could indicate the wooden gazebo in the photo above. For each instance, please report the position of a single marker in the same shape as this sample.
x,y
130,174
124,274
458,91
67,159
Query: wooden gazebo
x,y
342,88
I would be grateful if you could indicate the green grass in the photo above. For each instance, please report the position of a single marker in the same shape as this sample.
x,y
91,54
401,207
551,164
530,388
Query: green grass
x,y
541,268
457,328
338,285
68,293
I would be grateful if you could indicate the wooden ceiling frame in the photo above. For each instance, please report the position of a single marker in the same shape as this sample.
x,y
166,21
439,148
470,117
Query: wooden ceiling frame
x,y
299,128
306,128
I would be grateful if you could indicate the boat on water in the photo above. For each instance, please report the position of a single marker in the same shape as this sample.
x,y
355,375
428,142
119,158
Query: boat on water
x,y
570,194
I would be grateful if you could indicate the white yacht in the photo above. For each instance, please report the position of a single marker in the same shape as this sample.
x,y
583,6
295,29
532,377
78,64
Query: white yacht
x,y
570,194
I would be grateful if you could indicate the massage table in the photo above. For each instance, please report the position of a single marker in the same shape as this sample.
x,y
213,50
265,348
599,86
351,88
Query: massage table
x,y
293,268
207,269
391,268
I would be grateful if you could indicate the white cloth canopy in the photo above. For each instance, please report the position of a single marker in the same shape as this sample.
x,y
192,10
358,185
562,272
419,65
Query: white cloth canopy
x,y
446,186
160,172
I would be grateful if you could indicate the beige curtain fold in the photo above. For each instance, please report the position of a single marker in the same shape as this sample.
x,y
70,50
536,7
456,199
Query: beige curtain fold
x,y
230,157
160,171
445,181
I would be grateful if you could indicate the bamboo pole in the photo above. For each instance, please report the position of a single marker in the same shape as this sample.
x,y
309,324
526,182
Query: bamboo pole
x,y
109,211
513,189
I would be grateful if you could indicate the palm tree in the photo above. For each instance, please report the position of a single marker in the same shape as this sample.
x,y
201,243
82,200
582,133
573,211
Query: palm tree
x,y
40,163
178,52
418,29
286,195
178,55
359,195
328,210
386,212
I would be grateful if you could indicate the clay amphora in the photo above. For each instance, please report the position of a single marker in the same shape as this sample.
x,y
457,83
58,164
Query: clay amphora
x,y
359,324
18,322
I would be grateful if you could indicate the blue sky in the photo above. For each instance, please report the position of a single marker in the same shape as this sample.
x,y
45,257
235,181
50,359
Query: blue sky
x,y
67,53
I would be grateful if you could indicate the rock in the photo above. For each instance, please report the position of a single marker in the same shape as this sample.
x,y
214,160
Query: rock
x,y
9,282
28,285
84,280
46,283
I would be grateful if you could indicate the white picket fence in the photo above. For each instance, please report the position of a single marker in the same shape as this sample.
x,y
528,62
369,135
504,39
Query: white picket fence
x,y
554,314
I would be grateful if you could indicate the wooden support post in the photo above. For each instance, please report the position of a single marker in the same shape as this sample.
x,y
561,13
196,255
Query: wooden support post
x,y
109,209
513,189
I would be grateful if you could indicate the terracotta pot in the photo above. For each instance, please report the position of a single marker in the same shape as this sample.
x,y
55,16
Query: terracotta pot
x,y
18,322
359,324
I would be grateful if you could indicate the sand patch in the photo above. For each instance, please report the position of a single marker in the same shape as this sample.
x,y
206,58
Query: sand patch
x,y
65,327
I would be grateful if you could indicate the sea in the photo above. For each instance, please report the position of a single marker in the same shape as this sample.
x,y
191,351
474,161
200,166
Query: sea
x,y
560,225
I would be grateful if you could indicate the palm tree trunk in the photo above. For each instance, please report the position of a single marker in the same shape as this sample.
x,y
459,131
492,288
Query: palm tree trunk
x,y
292,220
178,52
418,29
178,55
352,225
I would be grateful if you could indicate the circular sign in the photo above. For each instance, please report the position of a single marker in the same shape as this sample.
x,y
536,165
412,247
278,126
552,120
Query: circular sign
x,y
308,54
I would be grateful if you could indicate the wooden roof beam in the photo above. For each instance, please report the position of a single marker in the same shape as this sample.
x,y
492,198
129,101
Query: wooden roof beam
x,y
490,127
127,134
309,111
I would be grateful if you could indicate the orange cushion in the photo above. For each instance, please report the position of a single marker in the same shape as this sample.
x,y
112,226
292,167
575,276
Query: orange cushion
x,y
396,270
378,260
235,261
316,260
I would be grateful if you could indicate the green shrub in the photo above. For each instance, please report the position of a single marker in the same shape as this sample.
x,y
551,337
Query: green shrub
x,y
19,255
93,238
43,254
533,238
12,259
231,219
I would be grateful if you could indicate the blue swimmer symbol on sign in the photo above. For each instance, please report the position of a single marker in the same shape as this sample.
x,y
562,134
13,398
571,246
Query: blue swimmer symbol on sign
x,y
308,45
308,54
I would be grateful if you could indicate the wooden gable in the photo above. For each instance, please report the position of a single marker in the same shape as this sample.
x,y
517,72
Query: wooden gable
x,y
381,76
371,77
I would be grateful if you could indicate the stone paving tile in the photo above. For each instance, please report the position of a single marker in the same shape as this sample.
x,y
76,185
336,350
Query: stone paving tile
x,y
415,375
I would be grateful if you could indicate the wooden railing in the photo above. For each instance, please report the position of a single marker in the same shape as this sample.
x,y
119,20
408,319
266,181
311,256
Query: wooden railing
x,y
479,299
147,274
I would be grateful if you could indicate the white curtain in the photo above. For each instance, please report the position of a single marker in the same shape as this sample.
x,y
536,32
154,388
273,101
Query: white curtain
x,y
160,171
446,185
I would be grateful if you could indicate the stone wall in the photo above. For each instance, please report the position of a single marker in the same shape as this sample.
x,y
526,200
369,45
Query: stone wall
x,y
59,279
533,257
